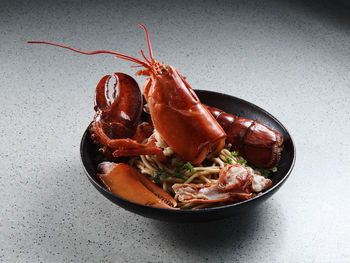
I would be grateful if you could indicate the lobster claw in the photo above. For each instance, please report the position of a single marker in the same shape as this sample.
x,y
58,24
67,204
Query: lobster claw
x,y
116,124
127,182
120,118
102,101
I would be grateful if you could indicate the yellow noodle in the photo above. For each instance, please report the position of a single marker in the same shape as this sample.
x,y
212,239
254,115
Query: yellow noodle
x,y
226,152
199,174
189,180
173,180
211,171
223,157
161,166
205,179
146,163
210,168
149,164
148,158
219,162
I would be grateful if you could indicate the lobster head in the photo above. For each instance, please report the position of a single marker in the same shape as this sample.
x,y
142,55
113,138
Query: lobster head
x,y
179,117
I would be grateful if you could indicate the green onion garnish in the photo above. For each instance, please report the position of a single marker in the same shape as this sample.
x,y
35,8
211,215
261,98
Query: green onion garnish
x,y
179,175
228,160
264,172
234,153
156,177
161,173
242,161
189,167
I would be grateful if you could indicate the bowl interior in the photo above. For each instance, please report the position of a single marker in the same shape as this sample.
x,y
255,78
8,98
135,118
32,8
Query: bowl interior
x,y
91,157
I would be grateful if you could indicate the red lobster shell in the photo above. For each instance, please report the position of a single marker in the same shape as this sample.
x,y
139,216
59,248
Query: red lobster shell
x,y
258,144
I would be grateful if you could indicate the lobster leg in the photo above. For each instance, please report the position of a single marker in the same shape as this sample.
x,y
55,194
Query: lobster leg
x,y
128,147
143,131
256,142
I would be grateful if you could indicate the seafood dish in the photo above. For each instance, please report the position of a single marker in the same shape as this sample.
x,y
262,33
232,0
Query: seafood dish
x,y
187,155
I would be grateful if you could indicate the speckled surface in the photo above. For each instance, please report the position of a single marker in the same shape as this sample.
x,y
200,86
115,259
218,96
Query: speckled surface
x,y
290,58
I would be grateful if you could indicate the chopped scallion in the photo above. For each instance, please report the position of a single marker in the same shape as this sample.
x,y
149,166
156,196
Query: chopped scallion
x,y
161,173
228,160
189,167
242,161
234,153
264,172
156,177
179,175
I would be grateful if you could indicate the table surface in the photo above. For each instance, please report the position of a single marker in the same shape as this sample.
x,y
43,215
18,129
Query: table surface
x,y
290,58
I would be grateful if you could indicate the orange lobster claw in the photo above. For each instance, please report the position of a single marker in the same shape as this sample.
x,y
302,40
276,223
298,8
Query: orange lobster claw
x,y
117,122
119,118
127,182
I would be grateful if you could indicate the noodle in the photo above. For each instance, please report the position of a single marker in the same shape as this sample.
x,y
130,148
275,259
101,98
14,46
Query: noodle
x,y
177,171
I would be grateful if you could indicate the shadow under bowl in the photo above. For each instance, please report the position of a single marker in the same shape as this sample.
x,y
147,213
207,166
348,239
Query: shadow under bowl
x,y
91,157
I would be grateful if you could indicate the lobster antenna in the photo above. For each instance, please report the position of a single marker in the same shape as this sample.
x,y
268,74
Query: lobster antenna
x,y
148,42
145,57
118,55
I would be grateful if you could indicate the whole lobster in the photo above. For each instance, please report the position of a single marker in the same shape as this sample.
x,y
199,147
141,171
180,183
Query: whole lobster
x,y
182,121
176,112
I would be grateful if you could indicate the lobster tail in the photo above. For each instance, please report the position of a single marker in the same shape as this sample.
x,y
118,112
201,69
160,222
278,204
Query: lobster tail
x,y
256,142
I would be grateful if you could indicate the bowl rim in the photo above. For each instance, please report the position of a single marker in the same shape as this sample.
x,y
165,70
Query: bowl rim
x,y
201,210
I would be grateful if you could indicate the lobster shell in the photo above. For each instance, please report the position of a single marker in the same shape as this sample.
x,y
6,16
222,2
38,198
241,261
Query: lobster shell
x,y
258,144
180,118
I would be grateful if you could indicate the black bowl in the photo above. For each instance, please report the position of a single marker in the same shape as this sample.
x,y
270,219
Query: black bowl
x,y
91,157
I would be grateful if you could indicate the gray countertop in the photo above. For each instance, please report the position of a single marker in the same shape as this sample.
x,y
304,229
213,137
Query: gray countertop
x,y
290,58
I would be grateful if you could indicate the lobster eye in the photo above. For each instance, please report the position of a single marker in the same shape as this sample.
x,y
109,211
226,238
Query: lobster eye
x,y
163,69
